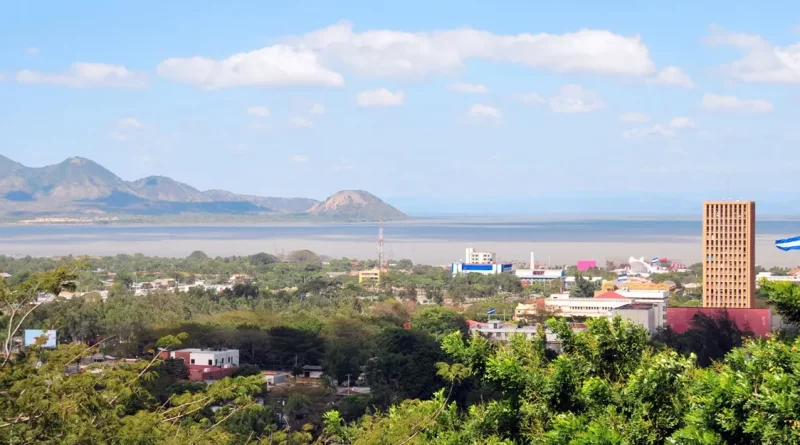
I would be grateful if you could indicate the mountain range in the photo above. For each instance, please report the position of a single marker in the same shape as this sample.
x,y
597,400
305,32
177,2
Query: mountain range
x,y
79,186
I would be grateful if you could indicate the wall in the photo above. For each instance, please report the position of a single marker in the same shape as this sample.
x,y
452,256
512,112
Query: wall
x,y
757,320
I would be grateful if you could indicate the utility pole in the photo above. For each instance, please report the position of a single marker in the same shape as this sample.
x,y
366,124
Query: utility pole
x,y
348,384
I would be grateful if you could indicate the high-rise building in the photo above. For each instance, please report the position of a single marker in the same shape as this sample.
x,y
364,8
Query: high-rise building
x,y
729,254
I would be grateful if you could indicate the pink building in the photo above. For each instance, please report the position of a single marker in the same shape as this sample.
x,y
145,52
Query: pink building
x,y
586,265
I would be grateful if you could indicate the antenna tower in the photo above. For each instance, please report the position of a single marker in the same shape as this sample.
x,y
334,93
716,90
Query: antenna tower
x,y
380,245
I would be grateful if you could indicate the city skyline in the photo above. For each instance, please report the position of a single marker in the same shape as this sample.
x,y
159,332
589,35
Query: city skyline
x,y
539,103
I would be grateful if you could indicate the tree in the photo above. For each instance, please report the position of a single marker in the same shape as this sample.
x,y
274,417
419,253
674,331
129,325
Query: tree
x,y
438,322
262,259
785,297
401,368
197,255
303,256
584,288
710,337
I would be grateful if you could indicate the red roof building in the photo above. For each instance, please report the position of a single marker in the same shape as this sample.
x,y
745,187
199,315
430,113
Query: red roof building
x,y
759,321
200,373
612,295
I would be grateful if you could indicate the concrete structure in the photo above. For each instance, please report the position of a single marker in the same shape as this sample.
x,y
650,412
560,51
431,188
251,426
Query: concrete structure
x,y
275,378
224,358
312,372
530,276
485,269
642,314
658,299
372,275
473,257
208,374
779,278
495,330
729,231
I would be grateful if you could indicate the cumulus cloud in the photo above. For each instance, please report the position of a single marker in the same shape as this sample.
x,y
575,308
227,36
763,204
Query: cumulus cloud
x,y
272,66
681,122
642,133
259,111
86,75
317,109
531,99
380,98
672,76
483,111
716,102
575,99
300,122
415,55
474,88
760,61
633,117
129,122
300,159
31,51
658,130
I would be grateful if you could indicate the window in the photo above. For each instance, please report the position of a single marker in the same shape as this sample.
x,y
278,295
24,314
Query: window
x,y
191,361
210,363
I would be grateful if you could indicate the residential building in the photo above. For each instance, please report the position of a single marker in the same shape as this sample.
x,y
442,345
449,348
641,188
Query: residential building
x,y
275,377
473,257
312,371
207,357
495,330
372,275
729,231
485,269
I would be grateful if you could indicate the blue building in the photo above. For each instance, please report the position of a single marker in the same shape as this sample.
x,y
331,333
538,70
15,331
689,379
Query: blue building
x,y
485,269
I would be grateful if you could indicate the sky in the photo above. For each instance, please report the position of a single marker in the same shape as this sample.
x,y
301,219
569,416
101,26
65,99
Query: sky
x,y
467,105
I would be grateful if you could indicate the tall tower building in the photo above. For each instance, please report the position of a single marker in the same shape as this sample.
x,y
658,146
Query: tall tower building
x,y
729,254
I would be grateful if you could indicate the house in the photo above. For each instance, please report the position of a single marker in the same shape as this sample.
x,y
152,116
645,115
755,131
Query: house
x,y
205,357
312,371
275,377
5,275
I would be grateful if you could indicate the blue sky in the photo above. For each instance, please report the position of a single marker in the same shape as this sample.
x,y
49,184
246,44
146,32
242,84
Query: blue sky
x,y
417,102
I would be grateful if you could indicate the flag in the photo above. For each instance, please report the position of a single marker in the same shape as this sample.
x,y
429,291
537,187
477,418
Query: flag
x,y
788,243
622,277
654,260
490,311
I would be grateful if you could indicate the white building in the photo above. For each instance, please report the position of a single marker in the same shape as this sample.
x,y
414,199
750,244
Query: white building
x,y
485,269
642,314
495,330
769,276
207,357
473,257
530,276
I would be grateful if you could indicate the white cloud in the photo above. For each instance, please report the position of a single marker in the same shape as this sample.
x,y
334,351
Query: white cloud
x,y
258,110
317,109
474,88
415,55
274,66
575,99
300,122
483,111
681,122
761,61
300,159
531,99
672,76
129,122
715,102
31,51
380,98
633,117
643,133
86,75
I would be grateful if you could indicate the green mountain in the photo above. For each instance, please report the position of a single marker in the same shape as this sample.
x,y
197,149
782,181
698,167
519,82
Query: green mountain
x,y
81,186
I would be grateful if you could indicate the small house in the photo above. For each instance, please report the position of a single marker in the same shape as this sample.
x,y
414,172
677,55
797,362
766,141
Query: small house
x,y
312,371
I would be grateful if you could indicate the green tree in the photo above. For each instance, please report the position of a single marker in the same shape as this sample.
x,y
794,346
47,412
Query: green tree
x,y
438,322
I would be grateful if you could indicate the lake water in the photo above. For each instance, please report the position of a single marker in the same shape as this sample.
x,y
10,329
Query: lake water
x,y
430,241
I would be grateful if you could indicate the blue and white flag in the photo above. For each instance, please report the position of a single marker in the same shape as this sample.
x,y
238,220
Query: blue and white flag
x,y
622,277
654,260
788,243
490,311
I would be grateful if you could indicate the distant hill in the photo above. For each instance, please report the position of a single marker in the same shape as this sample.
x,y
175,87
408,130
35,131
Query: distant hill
x,y
356,205
81,186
